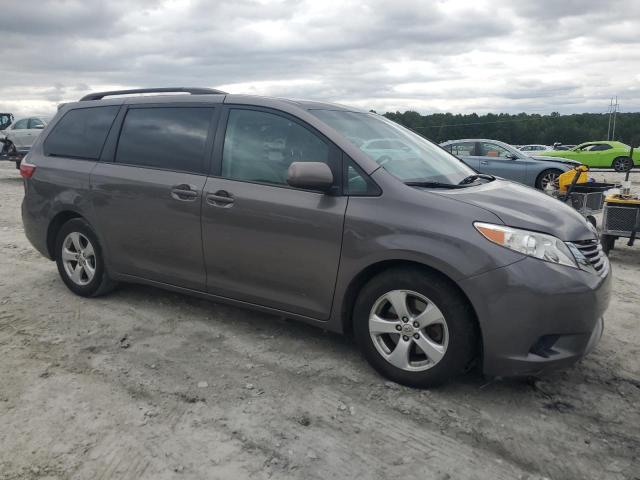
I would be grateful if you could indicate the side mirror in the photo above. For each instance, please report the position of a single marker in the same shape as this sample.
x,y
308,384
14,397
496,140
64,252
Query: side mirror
x,y
513,156
310,176
38,127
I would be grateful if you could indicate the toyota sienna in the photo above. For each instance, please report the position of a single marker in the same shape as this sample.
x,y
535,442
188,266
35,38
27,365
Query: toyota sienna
x,y
280,205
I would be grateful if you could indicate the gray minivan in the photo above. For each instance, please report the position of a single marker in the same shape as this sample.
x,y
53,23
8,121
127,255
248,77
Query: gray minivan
x,y
271,204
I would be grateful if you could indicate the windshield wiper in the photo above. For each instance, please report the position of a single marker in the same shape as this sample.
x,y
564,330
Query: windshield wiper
x,y
433,185
473,178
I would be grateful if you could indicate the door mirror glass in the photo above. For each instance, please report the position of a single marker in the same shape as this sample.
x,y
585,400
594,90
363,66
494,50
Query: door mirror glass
x,y
310,176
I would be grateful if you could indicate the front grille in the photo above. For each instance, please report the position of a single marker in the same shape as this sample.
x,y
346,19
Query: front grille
x,y
592,251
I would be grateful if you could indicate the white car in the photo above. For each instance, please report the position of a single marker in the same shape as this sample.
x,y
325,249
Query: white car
x,y
534,149
23,132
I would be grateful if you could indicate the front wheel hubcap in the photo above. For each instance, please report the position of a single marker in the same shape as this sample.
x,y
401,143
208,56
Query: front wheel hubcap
x,y
550,180
400,342
78,258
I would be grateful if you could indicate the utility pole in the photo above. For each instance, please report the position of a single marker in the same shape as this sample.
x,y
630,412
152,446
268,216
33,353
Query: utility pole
x,y
609,127
615,112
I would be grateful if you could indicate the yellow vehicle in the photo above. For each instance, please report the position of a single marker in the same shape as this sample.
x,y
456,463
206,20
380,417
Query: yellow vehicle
x,y
587,197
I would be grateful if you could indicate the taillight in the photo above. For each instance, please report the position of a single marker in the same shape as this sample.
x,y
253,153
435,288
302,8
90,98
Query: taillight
x,y
27,169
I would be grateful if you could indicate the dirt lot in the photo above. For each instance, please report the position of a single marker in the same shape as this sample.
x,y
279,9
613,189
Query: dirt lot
x,y
154,385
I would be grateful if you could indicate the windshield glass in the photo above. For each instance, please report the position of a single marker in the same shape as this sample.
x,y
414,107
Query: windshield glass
x,y
401,152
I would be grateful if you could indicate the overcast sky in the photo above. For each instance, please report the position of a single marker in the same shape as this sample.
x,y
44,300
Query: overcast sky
x,y
456,56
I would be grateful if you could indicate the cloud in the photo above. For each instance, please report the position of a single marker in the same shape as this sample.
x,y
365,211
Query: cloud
x,y
455,55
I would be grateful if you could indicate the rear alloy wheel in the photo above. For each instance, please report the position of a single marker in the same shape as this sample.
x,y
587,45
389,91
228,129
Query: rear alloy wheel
x,y
414,327
622,164
79,259
548,179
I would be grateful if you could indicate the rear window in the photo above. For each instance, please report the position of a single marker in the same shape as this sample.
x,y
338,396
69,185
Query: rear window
x,y
170,138
81,133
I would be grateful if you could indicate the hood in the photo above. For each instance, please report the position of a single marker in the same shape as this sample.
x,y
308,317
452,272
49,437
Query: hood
x,y
523,207
566,161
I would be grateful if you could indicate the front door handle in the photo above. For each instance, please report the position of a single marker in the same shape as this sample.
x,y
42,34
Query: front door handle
x,y
221,198
484,162
184,192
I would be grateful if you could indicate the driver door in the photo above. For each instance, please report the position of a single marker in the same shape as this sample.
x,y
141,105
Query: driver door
x,y
497,160
267,243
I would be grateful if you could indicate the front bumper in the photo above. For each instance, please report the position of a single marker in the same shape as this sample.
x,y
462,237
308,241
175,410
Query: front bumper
x,y
535,316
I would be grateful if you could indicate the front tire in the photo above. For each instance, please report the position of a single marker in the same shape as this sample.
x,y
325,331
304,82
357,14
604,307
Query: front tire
x,y
414,327
548,177
608,242
80,260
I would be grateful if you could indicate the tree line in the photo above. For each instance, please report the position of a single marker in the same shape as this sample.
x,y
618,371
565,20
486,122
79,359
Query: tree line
x,y
522,128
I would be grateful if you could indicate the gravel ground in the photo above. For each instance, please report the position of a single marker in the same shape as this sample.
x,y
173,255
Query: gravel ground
x,y
155,385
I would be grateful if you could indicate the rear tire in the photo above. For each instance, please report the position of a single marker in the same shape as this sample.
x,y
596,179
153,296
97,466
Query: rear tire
x,y
434,343
548,176
80,260
622,164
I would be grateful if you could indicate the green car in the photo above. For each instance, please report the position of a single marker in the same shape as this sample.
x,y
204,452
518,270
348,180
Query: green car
x,y
603,154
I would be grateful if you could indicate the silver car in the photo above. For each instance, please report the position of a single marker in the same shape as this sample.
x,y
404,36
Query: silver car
x,y
20,136
503,160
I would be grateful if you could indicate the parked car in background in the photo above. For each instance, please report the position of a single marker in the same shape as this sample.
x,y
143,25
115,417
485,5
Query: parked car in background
x,y
503,160
531,149
19,137
24,131
274,204
602,154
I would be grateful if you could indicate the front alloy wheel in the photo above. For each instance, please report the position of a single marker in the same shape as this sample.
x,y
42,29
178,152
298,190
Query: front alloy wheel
x,y
408,330
414,326
550,180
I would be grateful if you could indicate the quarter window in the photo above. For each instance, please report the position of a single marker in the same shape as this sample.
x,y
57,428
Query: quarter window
x,y
260,147
170,138
81,133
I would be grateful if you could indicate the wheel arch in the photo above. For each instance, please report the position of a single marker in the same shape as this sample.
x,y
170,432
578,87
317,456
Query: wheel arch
x,y
54,227
367,273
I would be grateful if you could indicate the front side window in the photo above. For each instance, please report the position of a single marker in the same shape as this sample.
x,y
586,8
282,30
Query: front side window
x,y
21,124
494,150
170,138
601,147
81,133
260,147
410,158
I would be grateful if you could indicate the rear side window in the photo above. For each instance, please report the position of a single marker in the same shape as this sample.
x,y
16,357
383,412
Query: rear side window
x,y
170,138
81,133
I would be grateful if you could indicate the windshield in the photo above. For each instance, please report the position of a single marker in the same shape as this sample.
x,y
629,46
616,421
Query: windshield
x,y
401,152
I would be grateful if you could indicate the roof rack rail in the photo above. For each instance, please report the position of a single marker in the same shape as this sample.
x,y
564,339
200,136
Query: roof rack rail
x,y
192,91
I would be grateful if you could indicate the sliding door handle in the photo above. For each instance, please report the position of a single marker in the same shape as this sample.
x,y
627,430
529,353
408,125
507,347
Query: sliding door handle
x,y
221,198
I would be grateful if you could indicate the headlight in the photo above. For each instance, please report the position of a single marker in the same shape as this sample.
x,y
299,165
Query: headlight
x,y
538,245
